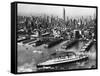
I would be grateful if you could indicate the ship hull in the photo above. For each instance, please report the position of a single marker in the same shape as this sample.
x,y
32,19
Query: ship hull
x,y
53,43
69,44
70,62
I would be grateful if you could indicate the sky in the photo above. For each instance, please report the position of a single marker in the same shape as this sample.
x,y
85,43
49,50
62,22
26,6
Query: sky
x,y
33,9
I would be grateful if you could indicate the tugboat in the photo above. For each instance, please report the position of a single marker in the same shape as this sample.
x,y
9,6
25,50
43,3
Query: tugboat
x,y
71,57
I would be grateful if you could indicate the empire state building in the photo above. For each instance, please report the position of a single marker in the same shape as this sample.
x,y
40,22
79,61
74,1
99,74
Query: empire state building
x,y
64,14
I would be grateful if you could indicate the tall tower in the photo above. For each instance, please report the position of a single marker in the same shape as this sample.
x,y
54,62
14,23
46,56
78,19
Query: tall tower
x,y
64,14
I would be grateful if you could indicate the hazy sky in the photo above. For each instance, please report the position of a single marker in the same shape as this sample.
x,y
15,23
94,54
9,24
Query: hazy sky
x,y
30,9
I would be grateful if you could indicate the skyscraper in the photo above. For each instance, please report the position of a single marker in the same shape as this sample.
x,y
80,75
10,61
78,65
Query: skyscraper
x,y
64,14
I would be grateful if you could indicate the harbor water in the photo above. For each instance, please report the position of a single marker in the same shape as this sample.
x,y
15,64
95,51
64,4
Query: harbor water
x,y
29,57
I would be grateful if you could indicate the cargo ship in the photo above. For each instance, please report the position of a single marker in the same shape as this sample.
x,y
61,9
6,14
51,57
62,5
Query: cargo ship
x,y
64,60
28,41
53,42
69,44
40,42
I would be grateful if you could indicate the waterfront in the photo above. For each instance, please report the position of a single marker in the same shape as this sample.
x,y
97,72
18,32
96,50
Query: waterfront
x,y
29,58
45,37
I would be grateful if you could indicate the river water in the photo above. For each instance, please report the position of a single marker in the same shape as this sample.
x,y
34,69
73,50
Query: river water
x,y
29,57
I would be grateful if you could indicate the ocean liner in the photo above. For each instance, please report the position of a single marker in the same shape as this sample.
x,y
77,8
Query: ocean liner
x,y
71,57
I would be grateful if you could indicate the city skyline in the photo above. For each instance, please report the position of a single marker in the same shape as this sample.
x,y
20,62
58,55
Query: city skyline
x,y
40,10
